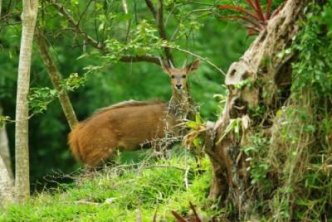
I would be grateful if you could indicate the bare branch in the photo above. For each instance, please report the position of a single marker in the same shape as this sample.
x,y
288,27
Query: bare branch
x,y
84,11
125,9
202,58
145,58
152,8
162,31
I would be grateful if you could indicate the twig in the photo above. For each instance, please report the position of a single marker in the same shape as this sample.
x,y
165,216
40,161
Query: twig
x,y
186,178
125,9
87,202
202,58
197,219
162,32
84,11
144,58
151,7
165,166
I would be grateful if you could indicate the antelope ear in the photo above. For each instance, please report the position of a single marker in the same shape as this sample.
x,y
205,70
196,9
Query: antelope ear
x,y
193,66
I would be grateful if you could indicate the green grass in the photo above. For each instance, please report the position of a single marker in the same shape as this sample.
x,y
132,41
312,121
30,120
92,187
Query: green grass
x,y
123,191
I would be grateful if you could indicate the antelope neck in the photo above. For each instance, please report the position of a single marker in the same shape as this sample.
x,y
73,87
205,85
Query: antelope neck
x,y
179,104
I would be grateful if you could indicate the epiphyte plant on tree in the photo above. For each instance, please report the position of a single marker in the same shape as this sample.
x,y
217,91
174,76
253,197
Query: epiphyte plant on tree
x,y
253,13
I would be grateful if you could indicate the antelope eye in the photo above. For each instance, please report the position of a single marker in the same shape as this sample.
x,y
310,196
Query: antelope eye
x,y
172,76
183,76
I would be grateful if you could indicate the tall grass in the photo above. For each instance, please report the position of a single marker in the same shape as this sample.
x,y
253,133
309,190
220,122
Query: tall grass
x,y
125,191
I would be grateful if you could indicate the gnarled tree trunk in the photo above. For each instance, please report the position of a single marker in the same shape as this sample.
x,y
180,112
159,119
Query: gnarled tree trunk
x,y
256,80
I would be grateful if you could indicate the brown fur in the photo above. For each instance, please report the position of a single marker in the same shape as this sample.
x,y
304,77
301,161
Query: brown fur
x,y
125,126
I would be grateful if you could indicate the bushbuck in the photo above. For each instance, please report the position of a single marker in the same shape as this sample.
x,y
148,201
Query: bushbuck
x,y
130,124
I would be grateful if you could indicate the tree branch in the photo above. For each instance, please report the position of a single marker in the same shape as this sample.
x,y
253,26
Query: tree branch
x,y
56,78
97,44
162,31
76,26
144,58
84,11
125,9
152,8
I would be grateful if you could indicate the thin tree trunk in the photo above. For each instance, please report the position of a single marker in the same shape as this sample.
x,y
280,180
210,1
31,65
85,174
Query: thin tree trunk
x,y
22,184
6,185
6,174
4,147
56,78
0,7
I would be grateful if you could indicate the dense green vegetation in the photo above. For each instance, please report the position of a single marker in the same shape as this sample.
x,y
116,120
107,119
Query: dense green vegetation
x,y
289,164
124,192
108,82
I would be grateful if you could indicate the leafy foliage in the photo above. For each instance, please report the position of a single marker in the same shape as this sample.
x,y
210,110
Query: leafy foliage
x,y
96,78
39,98
289,168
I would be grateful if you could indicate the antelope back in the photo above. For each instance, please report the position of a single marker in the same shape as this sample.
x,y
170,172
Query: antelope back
x,y
126,126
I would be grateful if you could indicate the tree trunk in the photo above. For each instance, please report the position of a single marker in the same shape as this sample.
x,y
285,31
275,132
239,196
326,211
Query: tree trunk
x,y
56,78
6,175
4,148
6,185
0,7
254,81
22,185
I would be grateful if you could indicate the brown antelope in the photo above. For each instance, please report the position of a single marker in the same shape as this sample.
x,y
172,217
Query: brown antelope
x,y
129,124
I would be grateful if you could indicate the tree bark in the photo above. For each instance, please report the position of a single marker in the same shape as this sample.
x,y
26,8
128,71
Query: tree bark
x,y
6,175
56,79
6,185
253,81
0,7
22,185
4,148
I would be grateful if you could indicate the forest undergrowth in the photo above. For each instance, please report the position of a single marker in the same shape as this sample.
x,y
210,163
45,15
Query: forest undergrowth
x,y
137,187
290,163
